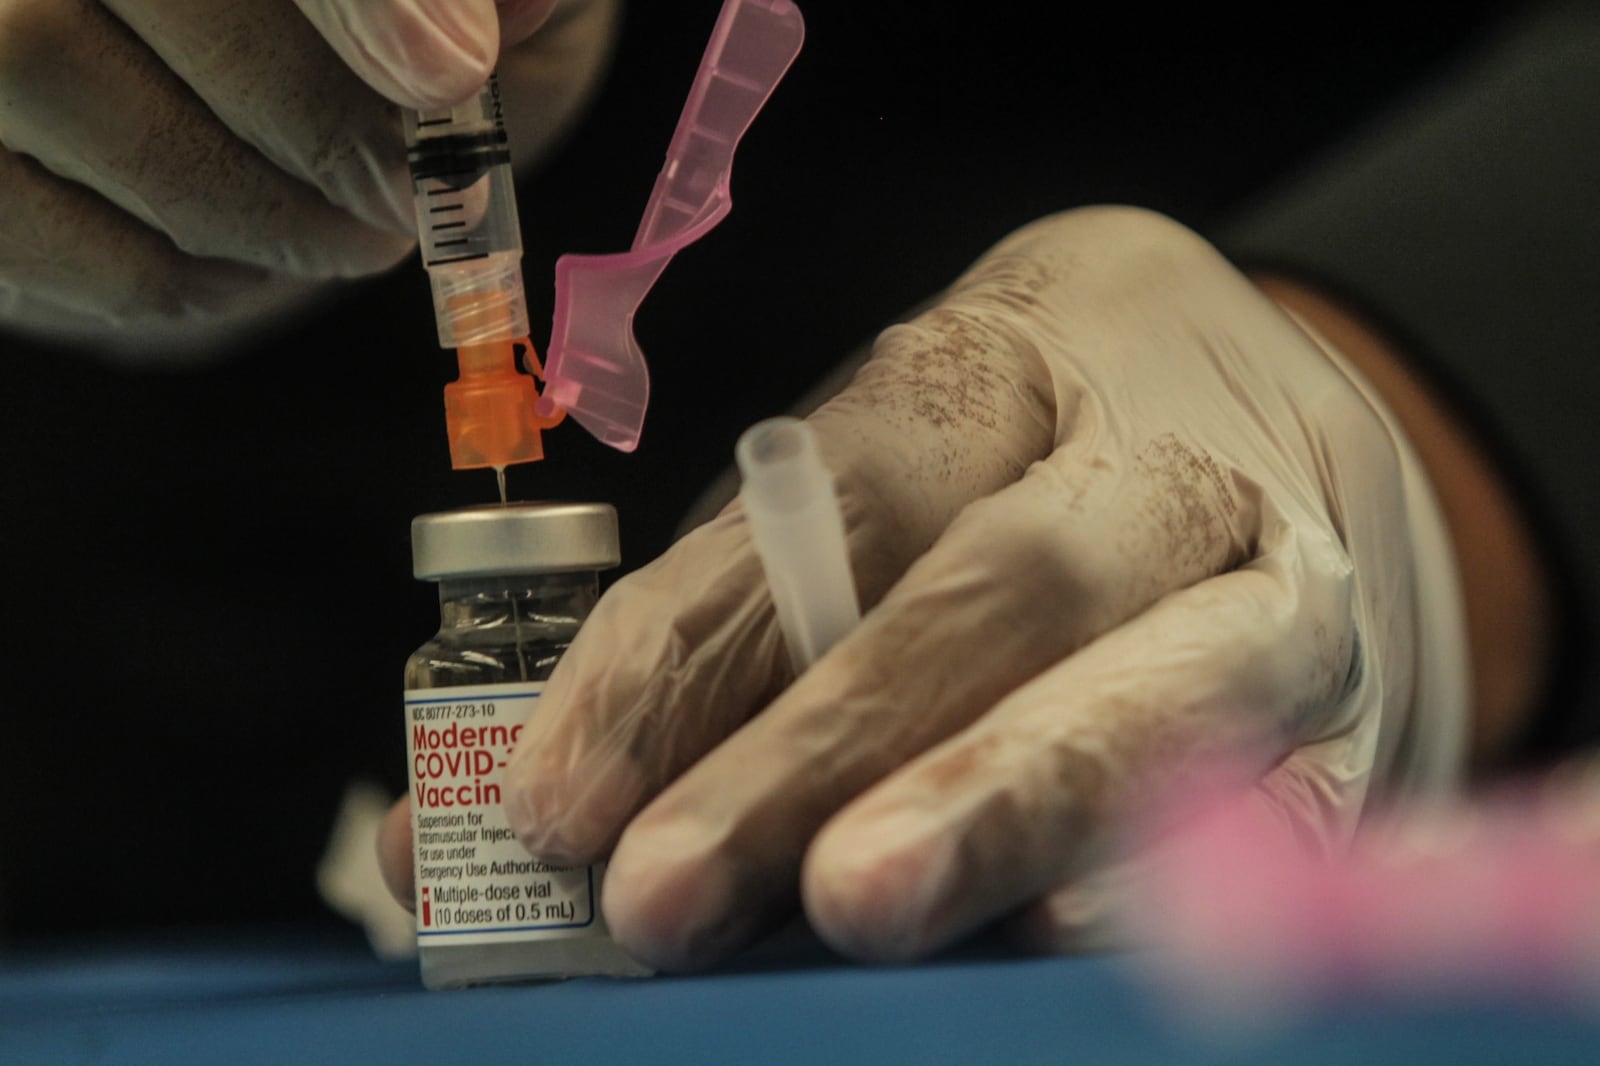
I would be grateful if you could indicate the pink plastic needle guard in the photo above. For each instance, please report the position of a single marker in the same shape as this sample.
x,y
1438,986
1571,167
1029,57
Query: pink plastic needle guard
x,y
594,367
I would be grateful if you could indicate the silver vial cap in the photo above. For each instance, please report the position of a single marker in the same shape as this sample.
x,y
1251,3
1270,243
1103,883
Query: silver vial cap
x,y
517,538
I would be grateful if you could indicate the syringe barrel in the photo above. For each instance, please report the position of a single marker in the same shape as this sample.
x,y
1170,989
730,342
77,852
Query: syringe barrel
x,y
465,199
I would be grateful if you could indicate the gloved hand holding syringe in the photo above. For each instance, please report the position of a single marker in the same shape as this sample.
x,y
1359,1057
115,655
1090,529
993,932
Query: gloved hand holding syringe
x,y
472,248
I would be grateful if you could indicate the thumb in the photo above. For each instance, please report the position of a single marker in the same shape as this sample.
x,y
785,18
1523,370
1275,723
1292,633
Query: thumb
x,y
425,54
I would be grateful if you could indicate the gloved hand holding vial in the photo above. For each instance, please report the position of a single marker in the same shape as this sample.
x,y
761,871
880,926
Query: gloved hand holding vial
x,y
1111,514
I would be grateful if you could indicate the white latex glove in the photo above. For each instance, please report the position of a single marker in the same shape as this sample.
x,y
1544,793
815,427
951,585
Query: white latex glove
x,y
172,168
1113,514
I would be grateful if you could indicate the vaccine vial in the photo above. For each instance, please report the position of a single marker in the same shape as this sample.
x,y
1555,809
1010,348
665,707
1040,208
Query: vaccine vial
x,y
515,583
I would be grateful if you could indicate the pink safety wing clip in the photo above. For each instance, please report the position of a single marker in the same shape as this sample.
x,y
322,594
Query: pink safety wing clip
x,y
594,367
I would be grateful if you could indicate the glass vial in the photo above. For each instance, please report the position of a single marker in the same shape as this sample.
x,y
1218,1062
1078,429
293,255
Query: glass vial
x,y
515,583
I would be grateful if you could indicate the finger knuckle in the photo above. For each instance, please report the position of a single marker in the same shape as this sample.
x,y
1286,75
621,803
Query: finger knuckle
x,y
1113,229
958,403
1102,253
1186,504
957,364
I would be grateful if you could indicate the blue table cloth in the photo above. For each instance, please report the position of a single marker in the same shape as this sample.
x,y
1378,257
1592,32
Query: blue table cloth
x,y
292,1001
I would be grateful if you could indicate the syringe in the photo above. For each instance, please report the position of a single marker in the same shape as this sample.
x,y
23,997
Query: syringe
x,y
465,200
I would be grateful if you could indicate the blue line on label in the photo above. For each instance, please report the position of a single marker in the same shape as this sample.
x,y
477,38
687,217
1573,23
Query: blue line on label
x,y
466,697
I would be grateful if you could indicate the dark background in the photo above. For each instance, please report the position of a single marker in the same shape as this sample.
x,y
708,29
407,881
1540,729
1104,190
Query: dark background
x,y
208,570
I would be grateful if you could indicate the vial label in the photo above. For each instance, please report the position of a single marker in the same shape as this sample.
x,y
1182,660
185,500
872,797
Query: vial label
x,y
475,882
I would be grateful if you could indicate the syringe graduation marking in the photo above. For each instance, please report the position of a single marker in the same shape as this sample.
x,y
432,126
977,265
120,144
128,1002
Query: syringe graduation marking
x,y
458,153
458,259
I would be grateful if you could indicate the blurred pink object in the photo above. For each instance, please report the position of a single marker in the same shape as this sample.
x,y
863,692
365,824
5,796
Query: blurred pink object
x,y
1500,898
594,367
